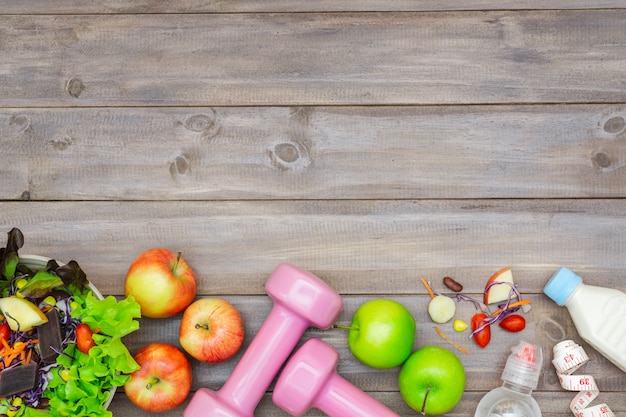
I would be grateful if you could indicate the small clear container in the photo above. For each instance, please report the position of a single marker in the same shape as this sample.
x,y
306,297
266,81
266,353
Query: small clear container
x,y
520,377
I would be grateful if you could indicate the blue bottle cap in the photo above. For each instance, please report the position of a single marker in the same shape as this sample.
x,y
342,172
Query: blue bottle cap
x,y
562,285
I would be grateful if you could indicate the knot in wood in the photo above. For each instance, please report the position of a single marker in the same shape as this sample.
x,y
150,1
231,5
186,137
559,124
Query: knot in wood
x,y
180,167
287,152
289,156
205,124
601,160
615,125
199,123
20,122
62,143
75,87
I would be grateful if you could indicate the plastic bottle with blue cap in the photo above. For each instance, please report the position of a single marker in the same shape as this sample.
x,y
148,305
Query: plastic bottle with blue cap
x,y
520,377
598,313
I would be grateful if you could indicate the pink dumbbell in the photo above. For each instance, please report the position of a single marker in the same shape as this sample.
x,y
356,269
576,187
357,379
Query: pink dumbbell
x,y
301,300
310,380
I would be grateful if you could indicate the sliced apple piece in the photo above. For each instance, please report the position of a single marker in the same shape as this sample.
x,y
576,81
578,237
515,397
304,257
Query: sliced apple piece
x,y
441,309
21,314
499,287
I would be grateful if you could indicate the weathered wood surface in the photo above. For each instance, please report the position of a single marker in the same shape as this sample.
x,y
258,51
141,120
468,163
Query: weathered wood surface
x,y
371,143
314,152
272,6
468,57
358,247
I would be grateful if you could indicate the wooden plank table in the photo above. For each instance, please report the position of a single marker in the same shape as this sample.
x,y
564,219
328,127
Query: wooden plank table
x,y
369,142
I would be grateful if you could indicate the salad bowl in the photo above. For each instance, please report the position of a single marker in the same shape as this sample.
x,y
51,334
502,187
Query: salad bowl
x,y
68,380
36,262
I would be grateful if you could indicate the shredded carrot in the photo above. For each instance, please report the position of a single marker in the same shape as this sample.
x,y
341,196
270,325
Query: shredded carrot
x,y
10,353
28,357
5,344
512,305
452,342
430,290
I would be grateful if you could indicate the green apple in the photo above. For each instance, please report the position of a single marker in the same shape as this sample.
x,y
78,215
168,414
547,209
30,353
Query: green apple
x,y
432,380
382,333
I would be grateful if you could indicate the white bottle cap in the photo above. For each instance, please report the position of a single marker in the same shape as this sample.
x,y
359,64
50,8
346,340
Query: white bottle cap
x,y
523,365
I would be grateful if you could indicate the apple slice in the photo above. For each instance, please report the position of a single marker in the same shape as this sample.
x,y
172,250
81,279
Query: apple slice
x,y
21,314
499,287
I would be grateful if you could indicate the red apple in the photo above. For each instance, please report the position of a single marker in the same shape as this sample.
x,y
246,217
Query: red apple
x,y
211,330
164,380
162,283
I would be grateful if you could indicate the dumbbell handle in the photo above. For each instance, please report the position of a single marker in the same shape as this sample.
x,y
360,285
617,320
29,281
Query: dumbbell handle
x,y
300,300
339,398
260,363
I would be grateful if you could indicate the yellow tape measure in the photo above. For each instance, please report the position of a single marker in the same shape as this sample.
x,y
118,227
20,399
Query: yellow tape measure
x,y
568,357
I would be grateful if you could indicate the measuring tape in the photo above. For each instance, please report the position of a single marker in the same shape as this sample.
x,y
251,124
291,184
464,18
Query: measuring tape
x,y
568,357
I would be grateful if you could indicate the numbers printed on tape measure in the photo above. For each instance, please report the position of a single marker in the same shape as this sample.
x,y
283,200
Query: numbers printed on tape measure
x,y
568,357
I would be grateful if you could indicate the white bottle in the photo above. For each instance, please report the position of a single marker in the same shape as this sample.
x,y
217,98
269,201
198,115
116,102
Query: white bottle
x,y
520,377
598,313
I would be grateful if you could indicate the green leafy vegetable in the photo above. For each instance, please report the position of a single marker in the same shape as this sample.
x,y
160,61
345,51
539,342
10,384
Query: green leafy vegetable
x,y
73,276
84,383
77,384
113,318
8,254
41,284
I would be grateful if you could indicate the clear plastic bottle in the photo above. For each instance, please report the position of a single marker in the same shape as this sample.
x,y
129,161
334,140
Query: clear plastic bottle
x,y
520,377
598,313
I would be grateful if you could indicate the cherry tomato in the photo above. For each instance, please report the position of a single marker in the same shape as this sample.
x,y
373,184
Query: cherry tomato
x,y
513,323
84,338
483,337
5,331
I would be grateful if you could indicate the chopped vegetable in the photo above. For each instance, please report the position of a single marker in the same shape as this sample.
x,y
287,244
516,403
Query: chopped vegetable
x,y
428,288
441,309
68,382
452,342
4,331
459,325
513,323
84,338
509,306
481,332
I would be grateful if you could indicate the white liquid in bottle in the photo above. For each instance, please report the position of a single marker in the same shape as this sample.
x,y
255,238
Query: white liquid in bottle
x,y
598,313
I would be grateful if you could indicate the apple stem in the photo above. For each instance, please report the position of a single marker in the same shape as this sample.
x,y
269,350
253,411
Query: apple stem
x,y
341,326
202,326
424,403
153,381
178,255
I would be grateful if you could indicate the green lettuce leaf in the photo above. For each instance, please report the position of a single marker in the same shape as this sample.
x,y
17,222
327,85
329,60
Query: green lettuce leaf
x,y
81,383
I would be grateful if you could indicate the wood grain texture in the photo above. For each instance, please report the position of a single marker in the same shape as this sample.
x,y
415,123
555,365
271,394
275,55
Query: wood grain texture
x,y
225,153
313,58
371,143
359,247
546,326
550,406
273,6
